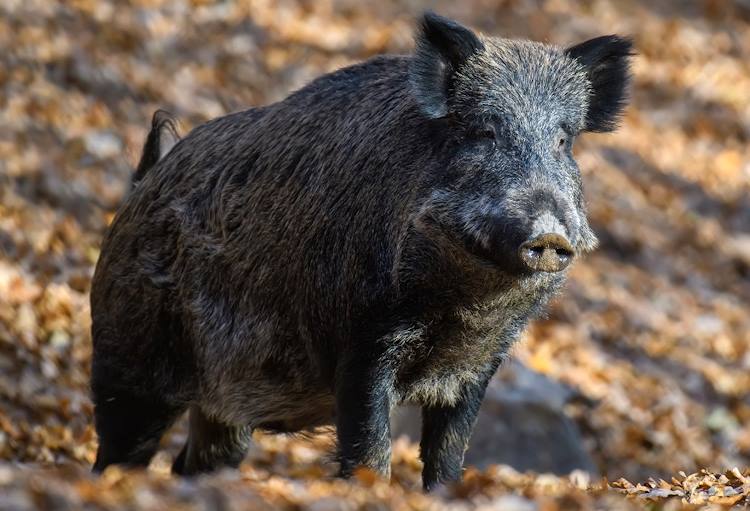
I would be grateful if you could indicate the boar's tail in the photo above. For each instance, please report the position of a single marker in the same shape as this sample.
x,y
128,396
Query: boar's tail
x,y
162,137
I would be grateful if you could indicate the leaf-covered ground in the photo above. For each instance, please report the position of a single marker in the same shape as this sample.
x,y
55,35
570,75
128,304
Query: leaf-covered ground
x,y
652,331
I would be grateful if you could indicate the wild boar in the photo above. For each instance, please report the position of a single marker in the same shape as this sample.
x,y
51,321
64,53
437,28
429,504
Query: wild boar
x,y
381,236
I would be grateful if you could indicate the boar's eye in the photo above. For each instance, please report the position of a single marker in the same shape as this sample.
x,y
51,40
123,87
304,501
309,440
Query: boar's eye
x,y
485,133
563,142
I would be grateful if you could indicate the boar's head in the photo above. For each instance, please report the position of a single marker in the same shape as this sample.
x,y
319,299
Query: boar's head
x,y
509,190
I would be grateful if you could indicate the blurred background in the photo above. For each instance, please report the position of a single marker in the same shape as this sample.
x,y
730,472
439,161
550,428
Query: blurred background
x,y
642,367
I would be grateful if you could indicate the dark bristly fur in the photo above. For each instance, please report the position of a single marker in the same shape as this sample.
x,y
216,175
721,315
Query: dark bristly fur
x,y
353,247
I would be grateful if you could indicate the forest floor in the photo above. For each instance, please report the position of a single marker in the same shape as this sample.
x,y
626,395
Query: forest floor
x,y
652,331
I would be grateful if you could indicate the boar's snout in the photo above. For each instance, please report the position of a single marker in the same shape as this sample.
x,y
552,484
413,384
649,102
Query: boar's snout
x,y
547,252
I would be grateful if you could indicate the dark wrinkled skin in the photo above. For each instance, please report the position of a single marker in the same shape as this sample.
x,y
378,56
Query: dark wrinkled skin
x,y
347,249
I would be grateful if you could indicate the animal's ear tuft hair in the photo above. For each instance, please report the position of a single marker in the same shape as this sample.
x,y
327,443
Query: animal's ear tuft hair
x,y
607,63
443,46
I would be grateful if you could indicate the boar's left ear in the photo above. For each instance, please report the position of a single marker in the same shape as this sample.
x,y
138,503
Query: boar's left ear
x,y
607,63
443,46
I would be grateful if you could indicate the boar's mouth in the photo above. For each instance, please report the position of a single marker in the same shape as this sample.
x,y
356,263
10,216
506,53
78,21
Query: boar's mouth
x,y
499,253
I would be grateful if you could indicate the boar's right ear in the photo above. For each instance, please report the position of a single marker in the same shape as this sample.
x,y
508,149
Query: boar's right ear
x,y
443,46
607,63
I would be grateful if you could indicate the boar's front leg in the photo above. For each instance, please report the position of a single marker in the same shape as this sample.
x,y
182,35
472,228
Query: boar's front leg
x,y
446,430
363,402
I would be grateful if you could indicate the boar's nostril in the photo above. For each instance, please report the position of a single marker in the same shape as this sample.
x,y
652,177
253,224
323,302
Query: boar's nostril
x,y
547,252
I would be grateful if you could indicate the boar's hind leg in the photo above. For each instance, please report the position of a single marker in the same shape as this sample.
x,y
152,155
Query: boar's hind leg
x,y
211,445
130,427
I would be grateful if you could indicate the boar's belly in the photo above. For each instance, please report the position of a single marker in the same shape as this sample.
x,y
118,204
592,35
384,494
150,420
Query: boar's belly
x,y
270,405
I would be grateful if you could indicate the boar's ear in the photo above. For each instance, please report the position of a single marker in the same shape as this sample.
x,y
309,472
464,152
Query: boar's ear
x,y
607,63
442,48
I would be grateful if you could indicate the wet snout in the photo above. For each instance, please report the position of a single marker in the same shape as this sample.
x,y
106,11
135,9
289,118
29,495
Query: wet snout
x,y
547,249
